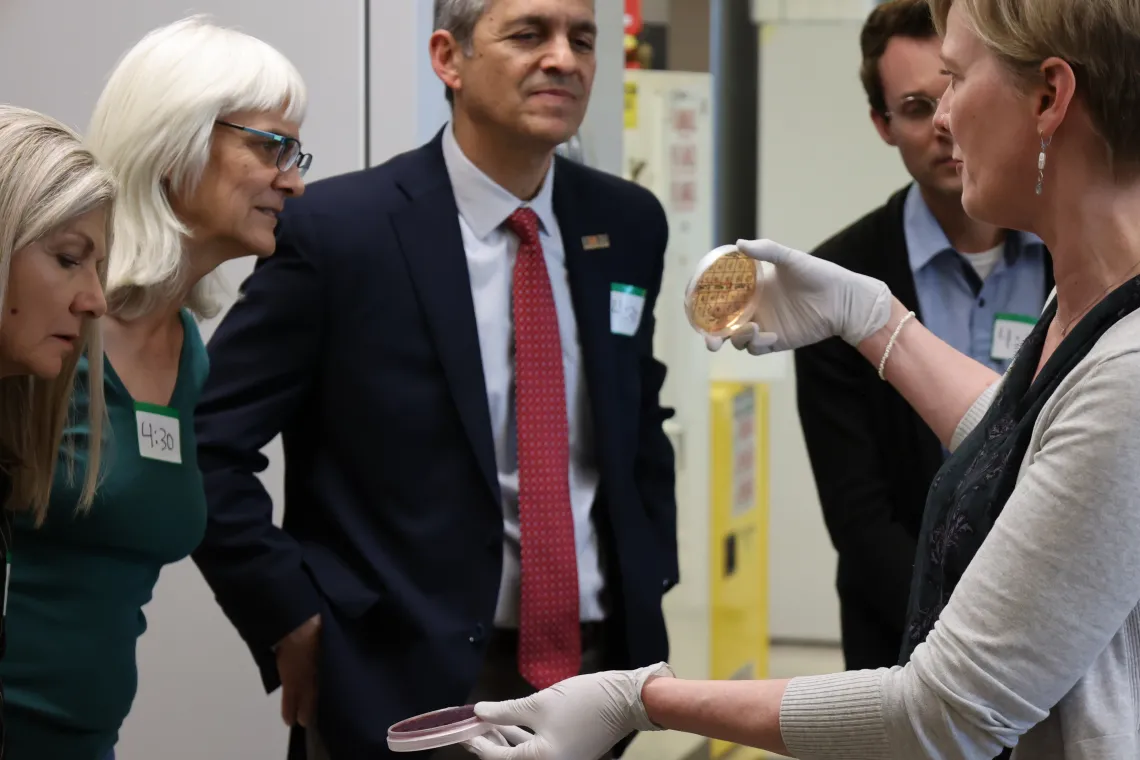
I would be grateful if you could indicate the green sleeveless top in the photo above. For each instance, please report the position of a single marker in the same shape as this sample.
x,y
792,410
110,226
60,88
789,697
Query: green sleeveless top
x,y
79,582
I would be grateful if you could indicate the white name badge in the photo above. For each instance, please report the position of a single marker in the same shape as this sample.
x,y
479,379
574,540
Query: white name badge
x,y
1010,331
159,432
626,305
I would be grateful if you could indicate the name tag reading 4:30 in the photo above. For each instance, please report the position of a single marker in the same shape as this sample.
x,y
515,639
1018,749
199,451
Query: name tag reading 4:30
x,y
159,432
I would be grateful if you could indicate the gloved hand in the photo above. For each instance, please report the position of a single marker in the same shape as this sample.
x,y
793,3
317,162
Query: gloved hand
x,y
580,718
805,300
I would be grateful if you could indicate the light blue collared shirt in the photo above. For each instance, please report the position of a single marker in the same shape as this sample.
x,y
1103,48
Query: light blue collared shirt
x,y
951,309
483,208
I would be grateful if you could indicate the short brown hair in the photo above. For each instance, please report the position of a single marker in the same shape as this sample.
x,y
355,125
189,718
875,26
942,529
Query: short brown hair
x,y
895,18
1100,39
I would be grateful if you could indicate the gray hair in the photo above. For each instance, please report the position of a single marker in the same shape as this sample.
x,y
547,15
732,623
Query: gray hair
x,y
458,17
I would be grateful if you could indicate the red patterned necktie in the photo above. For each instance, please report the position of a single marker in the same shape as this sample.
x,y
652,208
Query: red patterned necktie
x,y
550,648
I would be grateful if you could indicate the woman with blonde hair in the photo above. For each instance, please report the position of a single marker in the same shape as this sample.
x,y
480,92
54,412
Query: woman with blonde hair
x,y
1024,623
55,208
199,124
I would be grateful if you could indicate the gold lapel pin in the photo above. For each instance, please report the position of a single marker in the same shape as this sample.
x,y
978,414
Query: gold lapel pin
x,y
595,242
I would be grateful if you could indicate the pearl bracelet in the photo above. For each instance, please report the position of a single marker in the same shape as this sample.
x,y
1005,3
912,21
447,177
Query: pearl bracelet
x,y
891,343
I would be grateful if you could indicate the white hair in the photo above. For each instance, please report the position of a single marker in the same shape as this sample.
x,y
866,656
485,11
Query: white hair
x,y
153,124
47,179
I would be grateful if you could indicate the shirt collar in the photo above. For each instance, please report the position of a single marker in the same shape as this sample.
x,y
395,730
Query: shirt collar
x,y
482,202
925,238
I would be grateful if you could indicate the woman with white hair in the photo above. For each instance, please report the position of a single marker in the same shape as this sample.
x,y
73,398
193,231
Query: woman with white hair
x,y
1024,623
55,208
200,126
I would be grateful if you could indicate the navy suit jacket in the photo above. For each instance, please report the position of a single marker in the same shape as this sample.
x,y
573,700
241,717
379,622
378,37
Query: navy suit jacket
x,y
357,342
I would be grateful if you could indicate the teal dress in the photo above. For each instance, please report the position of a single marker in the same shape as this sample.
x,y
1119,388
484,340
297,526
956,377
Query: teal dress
x,y
79,583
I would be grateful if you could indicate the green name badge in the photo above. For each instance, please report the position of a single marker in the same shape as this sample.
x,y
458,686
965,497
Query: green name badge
x,y
626,304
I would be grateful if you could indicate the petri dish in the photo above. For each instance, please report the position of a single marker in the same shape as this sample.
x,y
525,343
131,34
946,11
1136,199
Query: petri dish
x,y
440,728
723,293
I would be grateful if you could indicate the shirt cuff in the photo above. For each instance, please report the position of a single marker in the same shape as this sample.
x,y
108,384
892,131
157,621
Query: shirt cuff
x,y
835,716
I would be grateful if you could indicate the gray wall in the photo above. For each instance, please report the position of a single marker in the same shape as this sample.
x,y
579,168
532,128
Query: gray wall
x,y
822,166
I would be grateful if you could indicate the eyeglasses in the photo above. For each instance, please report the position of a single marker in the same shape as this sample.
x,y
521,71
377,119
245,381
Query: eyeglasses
x,y
288,148
915,109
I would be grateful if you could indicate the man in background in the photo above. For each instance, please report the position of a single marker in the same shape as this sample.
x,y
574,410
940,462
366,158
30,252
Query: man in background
x,y
976,287
456,347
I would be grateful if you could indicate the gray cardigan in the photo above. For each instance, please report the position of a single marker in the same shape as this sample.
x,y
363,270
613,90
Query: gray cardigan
x,y
1039,645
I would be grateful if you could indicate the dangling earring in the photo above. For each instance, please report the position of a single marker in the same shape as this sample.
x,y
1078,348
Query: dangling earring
x,y
1041,164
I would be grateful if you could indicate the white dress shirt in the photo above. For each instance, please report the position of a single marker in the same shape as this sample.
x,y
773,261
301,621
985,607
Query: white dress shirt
x,y
483,208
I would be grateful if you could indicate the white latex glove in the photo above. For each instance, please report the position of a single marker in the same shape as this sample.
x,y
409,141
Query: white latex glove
x,y
805,300
581,718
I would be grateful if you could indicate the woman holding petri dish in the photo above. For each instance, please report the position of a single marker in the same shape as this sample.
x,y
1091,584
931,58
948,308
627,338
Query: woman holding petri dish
x,y
1024,627
200,125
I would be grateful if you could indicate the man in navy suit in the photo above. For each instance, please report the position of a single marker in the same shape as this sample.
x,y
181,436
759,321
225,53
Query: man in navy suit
x,y
456,347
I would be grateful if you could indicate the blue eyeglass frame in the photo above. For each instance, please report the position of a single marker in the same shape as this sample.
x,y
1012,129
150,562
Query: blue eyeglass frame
x,y
302,161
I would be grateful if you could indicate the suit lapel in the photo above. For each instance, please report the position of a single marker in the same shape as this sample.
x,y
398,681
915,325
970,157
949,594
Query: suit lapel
x,y
900,279
428,231
588,273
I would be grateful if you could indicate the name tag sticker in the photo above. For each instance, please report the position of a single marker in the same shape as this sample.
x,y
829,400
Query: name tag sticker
x,y
626,305
1010,331
159,432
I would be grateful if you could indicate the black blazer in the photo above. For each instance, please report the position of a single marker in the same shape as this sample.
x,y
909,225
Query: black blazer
x,y
357,342
872,456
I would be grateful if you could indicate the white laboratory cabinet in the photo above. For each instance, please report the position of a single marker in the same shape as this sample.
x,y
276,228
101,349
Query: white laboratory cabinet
x,y
668,149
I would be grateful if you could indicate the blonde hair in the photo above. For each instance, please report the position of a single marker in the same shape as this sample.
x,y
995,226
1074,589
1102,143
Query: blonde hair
x,y
1100,39
152,125
47,178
